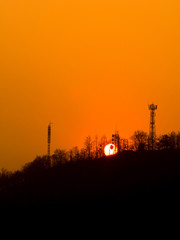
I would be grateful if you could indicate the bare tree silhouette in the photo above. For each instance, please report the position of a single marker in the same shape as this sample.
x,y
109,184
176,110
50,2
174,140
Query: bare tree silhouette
x,y
169,141
59,157
88,146
140,140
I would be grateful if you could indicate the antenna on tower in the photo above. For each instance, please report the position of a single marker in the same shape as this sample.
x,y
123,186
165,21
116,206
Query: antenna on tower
x,y
152,131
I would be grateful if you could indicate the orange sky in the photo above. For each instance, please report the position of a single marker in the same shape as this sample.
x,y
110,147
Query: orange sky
x,y
88,66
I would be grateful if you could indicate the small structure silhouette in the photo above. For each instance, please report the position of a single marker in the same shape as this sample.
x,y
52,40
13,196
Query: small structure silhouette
x,y
152,131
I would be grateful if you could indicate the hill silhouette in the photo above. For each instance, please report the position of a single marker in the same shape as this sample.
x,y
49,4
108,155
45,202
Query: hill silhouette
x,y
134,179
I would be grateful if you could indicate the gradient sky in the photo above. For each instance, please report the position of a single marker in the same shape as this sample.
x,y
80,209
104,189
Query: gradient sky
x,y
89,66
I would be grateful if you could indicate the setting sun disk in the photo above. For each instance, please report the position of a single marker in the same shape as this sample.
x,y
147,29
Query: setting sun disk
x,y
110,149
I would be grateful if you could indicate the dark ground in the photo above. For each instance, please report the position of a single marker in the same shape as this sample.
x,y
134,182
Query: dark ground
x,y
138,182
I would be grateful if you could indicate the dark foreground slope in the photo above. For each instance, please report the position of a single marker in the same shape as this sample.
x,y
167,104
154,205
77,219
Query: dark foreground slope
x,y
140,180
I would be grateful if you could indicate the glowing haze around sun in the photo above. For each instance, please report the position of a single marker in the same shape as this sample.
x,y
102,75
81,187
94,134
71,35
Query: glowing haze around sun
x,y
110,149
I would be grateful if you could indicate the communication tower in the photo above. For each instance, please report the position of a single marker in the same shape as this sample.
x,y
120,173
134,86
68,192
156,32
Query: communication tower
x,y
116,140
152,131
49,138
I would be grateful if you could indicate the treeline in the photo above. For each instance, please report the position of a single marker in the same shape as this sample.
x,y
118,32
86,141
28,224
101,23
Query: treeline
x,y
140,141
94,149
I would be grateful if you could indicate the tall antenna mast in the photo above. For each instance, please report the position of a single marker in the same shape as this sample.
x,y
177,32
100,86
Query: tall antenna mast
x,y
49,138
152,131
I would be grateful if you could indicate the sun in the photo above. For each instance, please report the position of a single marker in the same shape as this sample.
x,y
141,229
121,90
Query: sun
x,y
110,149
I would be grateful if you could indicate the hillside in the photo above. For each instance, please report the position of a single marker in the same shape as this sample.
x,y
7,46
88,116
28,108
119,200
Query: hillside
x,y
130,178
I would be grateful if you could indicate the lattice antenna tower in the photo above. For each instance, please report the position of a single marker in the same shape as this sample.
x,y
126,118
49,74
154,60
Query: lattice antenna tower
x,y
152,130
116,140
